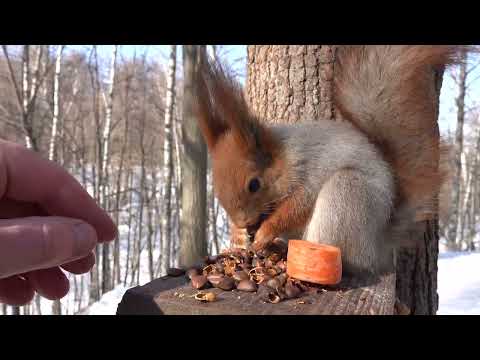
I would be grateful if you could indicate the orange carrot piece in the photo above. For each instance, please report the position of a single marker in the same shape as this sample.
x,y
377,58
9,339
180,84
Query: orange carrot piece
x,y
315,263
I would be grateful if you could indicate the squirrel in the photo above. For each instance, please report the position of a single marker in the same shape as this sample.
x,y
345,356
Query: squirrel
x,y
357,183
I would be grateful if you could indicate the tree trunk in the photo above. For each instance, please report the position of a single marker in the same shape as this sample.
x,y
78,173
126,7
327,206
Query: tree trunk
x,y
53,138
38,304
94,293
212,219
150,233
130,183
25,85
81,293
291,83
116,251
294,83
106,270
455,200
176,126
465,193
194,167
167,163
475,194
56,307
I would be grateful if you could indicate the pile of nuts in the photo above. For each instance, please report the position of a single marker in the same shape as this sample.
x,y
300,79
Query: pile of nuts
x,y
248,272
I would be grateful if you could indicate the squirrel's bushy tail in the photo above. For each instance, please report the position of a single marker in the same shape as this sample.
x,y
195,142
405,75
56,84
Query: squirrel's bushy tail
x,y
391,94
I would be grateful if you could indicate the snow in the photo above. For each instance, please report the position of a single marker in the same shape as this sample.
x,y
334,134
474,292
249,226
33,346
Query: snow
x,y
107,305
459,283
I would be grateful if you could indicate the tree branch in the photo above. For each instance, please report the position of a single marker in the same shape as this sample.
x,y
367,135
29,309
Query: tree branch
x,y
13,80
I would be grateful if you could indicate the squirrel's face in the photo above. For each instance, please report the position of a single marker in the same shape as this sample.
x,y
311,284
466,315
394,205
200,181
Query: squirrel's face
x,y
246,160
245,182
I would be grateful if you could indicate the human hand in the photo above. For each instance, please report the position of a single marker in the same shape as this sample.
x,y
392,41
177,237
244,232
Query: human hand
x,y
47,221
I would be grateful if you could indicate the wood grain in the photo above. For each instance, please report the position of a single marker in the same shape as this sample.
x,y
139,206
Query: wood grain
x,y
174,296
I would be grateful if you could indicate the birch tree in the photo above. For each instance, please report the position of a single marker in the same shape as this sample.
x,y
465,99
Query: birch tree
x,y
212,218
106,276
167,161
455,199
94,291
53,138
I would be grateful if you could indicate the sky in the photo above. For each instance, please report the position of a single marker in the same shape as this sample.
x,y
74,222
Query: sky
x,y
236,55
447,117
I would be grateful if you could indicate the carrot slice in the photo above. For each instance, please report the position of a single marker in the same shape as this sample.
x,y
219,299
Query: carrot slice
x,y
316,263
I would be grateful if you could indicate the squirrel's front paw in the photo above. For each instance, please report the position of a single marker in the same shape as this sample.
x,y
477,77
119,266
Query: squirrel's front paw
x,y
262,240
239,238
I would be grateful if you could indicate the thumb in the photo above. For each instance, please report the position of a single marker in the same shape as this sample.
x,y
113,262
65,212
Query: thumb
x,y
34,243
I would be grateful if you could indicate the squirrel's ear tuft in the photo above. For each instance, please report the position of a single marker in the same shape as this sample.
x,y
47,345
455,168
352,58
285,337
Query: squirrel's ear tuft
x,y
209,120
221,106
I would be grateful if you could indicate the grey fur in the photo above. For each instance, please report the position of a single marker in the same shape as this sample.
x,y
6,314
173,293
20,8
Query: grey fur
x,y
350,187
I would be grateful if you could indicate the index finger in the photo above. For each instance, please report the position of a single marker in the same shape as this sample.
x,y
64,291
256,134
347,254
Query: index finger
x,y
26,176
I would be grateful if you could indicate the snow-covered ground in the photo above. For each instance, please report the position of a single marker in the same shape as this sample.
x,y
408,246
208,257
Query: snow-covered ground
x,y
107,304
459,283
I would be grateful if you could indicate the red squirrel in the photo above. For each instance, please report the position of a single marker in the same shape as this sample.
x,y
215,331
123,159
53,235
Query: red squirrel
x,y
357,183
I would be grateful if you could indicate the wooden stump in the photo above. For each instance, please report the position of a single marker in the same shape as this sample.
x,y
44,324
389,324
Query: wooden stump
x,y
174,296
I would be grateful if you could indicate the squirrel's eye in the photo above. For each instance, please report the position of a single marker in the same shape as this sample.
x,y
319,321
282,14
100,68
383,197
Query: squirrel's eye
x,y
254,185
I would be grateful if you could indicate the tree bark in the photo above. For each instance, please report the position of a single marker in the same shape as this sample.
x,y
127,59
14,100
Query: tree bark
x,y
53,138
57,308
294,83
167,162
194,167
106,269
94,289
291,83
29,139
130,183
38,304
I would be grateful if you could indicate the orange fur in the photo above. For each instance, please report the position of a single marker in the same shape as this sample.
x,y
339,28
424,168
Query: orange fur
x,y
240,146
398,114
291,214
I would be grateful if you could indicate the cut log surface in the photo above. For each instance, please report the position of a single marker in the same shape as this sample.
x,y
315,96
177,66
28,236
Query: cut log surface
x,y
175,296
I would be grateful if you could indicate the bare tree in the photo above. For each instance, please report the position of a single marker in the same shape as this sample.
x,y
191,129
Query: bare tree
x,y
460,102
53,138
130,182
475,194
94,291
194,166
26,93
106,271
57,307
167,161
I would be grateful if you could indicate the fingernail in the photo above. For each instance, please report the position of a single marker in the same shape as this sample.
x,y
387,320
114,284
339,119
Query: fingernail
x,y
86,238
